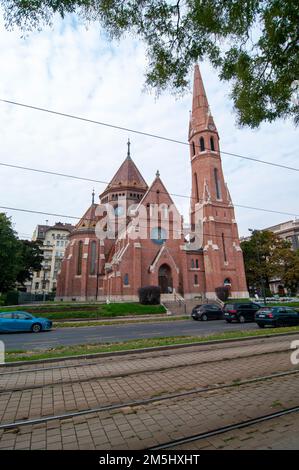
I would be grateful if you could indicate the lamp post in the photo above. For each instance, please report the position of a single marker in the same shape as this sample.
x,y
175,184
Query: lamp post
x,y
262,286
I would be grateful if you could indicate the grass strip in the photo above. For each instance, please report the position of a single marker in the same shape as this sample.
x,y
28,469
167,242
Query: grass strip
x,y
95,311
81,349
78,324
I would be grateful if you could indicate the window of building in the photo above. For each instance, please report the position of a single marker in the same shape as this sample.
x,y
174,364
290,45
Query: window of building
x,y
196,187
217,185
195,279
196,263
126,279
80,256
93,257
202,144
36,285
193,148
223,246
192,263
212,144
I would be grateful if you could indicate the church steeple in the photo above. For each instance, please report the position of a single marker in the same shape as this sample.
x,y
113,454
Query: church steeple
x,y
201,119
212,212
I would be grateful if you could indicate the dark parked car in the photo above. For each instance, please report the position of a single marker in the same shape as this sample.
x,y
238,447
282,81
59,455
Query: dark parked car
x,y
207,312
22,321
277,316
240,311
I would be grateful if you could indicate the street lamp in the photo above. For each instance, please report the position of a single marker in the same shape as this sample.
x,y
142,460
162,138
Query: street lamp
x,y
262,286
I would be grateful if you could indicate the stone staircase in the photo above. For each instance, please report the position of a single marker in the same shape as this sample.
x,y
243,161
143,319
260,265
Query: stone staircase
x,y
177,305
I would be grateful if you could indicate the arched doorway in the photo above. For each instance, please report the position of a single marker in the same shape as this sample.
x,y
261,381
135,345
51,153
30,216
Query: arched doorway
x,y
227,283
165,279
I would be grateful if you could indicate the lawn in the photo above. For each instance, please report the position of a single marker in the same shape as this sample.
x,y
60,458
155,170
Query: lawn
x,y
92,311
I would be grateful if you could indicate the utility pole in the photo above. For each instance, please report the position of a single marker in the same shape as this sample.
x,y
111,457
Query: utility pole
x,y
262,286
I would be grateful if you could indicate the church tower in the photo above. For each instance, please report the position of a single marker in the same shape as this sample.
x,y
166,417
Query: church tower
x,y
212,211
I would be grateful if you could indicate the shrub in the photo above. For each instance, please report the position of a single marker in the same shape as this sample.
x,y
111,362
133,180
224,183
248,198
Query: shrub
x,y
222,293
149,295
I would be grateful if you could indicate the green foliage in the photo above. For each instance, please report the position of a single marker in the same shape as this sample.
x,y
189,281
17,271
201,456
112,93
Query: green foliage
x,y
30,259
9,254
17,257
267,256
290,271
253,44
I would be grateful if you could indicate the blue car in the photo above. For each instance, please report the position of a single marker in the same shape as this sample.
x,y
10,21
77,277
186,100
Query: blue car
x,y
23,321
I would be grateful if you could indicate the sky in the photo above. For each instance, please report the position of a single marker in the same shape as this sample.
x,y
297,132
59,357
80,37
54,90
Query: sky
x,y
75,70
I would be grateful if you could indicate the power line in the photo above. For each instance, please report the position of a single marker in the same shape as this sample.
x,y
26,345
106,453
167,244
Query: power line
x,y
106,182
134,131
87,219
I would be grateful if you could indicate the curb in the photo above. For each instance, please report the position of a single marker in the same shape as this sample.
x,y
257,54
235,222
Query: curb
x,y
145,350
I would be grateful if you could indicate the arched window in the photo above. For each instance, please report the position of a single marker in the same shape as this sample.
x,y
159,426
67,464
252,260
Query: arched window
x,y
192,263
196,263
212,144
196,187
93,258
223,247
126,279
217,185
195,279
80,256
193,149
202,144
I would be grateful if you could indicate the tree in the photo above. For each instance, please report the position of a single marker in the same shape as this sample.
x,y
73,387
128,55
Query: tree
x,y
265,256
254,44
9,254
18,258
290,271
30,260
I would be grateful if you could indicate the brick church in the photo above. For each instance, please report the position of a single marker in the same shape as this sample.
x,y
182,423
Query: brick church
x,y
135,236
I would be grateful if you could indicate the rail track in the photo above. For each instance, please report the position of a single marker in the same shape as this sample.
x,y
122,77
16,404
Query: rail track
x,y
224,429
147,401
106,376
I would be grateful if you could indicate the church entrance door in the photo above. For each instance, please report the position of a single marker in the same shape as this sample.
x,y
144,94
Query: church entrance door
x,y
165,279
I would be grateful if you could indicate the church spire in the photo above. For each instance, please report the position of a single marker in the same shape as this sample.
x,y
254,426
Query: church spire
x,y
201,118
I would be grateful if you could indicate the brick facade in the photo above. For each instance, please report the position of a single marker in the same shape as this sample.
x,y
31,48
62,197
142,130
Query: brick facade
x,y
151,246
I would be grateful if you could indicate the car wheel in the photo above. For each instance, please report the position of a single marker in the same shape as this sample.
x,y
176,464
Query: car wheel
x,y
36,328
204,317
241,319
261,325
195,318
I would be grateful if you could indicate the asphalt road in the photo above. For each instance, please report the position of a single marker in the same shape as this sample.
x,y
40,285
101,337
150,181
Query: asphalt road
x,y
115,333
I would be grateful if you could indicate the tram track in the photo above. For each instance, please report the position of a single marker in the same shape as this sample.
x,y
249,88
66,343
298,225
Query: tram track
x,y
144,402
224,429
135,372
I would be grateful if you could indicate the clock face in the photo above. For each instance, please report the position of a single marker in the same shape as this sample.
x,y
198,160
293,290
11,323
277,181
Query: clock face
x,y
211,127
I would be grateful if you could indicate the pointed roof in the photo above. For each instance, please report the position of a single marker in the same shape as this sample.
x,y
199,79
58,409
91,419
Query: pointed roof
x,y
127,175
89,219
156,185
201,117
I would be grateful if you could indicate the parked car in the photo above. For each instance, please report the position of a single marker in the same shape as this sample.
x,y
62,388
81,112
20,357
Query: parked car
x,y
207,312
277,316
23,321
240,311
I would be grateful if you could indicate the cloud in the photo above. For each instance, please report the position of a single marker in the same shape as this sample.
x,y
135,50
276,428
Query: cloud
x,y
77,71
